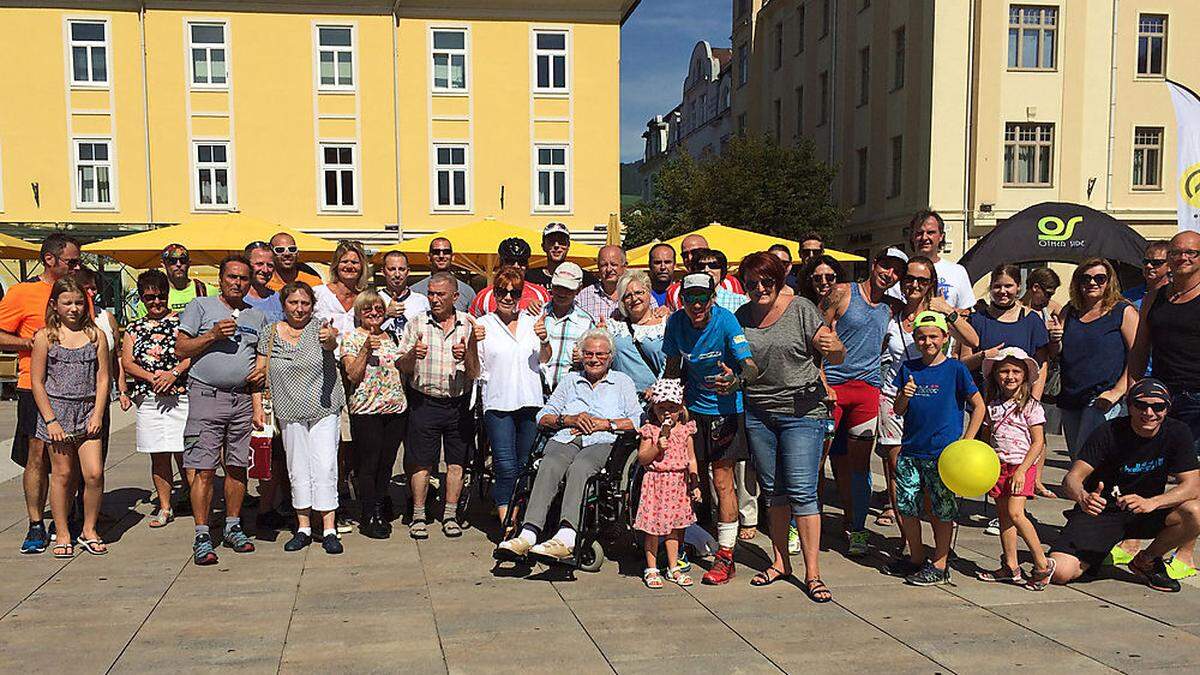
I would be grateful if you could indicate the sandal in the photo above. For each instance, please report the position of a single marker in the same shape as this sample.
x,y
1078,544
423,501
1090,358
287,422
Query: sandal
x,y
817,591
94,546
769,576
1043,491
451,528
887,518
652,579
678,577
161,518
63,551
747,533
1002,575
418,530
1039,580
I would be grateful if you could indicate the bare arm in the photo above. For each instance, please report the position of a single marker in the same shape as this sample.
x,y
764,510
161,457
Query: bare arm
x,y
103,379
129,364
356,365
1187,490
1039,385
11,343
1130,322
1037,445
674,368
1073,481
37,375
977,410
648,451
829,345
187,347
1139,352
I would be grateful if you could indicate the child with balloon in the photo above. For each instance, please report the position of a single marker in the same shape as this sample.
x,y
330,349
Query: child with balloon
x,y
933,392
1015,423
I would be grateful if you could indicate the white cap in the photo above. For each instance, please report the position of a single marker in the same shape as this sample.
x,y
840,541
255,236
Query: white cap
x,y
698,280
555,228
893,252
568,275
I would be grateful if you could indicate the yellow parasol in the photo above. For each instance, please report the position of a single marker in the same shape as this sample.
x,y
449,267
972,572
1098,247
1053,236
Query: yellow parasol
x,y
613,231
208,240
735,244
475,246
12,248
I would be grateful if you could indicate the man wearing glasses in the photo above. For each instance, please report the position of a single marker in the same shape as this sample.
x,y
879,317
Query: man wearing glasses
x,y
23,313
811,246
1154,271
183,289
688,248
288,267
556,243
441,256
600,299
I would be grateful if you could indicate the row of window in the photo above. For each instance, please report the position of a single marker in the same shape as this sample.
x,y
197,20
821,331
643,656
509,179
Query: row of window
x,y
208,57
212,176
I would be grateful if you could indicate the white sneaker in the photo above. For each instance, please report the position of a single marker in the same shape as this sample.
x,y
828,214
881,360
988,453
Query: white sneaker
x,y
993,527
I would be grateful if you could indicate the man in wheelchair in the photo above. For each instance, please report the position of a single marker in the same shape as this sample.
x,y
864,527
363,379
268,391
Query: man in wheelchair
x,y
586,409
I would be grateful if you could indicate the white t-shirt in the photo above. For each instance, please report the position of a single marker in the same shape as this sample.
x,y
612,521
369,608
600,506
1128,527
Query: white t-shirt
x,y
898,349
329,308
510,368
954,285
415,305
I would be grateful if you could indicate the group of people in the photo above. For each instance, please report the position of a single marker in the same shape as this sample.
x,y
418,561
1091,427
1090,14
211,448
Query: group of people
x,y
741,388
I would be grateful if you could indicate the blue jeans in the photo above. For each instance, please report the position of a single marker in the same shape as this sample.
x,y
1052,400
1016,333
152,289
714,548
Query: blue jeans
x,y
511,435
1185,407
787,455
1078,424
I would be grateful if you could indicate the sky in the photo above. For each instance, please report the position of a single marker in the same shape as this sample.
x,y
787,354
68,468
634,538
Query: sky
x,y
656,43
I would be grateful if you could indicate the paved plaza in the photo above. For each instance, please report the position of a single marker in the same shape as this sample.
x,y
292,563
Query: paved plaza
x,y
436,606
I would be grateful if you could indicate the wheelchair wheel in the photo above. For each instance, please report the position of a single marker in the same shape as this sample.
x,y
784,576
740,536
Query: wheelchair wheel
x,y
591,559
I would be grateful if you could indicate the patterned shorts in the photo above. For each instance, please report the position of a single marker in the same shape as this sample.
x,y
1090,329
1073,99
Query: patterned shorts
x,y
915,476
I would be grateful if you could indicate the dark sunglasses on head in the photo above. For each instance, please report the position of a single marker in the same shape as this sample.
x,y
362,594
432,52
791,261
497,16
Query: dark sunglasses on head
x,y
1154,262
1098,279
1158,406
508,292
441,251
923,281
280,250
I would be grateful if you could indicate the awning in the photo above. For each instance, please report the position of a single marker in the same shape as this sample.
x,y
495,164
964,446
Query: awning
x,y
1054,232
735,244
208,240
12,248
475,246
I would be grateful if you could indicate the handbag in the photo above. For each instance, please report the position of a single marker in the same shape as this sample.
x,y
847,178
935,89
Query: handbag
x,y
261,441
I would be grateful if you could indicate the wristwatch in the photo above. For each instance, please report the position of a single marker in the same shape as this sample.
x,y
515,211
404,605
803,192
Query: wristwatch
x,y
558,421
952,317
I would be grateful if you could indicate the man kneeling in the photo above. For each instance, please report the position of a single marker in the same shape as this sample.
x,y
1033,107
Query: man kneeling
x,y
1119,487
586,408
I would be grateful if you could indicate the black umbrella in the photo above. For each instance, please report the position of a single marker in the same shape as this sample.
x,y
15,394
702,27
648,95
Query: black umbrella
x,y
1054,232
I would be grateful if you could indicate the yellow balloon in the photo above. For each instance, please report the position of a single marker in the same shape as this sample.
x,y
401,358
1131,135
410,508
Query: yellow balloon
x,y
969,468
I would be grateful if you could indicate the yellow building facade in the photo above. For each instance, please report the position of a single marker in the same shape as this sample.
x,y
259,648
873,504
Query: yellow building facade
x,y
362,118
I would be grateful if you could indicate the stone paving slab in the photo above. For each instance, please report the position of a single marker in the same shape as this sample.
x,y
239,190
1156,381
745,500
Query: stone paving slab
x,y
441,606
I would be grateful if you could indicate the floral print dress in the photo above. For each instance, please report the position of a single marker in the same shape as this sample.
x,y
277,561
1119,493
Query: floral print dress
x,y
154,349
665,505
382,389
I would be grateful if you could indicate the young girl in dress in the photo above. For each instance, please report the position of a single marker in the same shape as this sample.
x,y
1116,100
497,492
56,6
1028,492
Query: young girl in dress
x,y
1015,427
670,483
70,373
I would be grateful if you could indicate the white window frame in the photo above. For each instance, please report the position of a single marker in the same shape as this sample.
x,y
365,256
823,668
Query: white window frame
x,y
468,178
208,47
352,50
71,43
323,205
466,54
230,175
1144,149
1013,138
565,168
110,164
1049,21
1150,37
551,54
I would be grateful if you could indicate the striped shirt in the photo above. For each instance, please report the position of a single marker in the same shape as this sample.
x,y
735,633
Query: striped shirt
x,y
439,374
729,283
563,334
486,300
593,300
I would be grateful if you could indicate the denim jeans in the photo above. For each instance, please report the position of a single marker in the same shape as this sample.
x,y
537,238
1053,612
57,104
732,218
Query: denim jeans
x,y
1078,424
1185,407
511,435
787,455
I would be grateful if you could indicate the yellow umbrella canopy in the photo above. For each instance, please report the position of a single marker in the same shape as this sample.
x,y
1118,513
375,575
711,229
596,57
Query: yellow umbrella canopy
x,y
475,246
735,244
208,240
12,248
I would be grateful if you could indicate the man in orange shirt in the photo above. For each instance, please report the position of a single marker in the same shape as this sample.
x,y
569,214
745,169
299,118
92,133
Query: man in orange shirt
x,y
23,313
288,267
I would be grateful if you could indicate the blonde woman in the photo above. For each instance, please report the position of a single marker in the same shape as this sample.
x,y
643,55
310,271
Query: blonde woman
x,y
349,272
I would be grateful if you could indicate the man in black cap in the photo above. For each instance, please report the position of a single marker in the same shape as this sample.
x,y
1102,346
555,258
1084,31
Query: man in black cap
x,y
556,244
1119,485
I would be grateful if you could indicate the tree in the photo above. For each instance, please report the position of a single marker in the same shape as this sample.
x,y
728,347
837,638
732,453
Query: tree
x,y
754,184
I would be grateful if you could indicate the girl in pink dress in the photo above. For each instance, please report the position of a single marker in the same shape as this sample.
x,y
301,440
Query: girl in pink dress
x,y
670,482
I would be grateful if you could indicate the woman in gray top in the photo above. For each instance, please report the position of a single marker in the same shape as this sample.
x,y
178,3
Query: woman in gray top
x,y
785,412
305,389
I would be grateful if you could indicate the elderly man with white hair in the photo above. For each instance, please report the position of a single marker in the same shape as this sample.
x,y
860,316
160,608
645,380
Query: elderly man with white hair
x,y
586,409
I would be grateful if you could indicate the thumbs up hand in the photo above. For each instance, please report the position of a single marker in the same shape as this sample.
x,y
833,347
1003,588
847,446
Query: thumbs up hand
x,y
478,331
539,328
826,339
421,349
459,350
603,322
1092,503
727,382
910,387
1055,328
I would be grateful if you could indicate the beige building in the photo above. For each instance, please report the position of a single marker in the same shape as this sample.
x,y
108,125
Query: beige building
x,y
975,108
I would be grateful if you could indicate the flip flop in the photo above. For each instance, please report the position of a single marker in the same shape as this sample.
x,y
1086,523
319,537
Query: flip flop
x,y
94,546
887,518
765,577
63,551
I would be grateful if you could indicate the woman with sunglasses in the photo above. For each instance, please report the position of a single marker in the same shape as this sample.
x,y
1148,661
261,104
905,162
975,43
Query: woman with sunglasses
x,y
919,291
1092,336
159,387
819,276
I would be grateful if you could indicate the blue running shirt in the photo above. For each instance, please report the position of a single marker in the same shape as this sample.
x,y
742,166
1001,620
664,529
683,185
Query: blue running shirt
x,y
703,350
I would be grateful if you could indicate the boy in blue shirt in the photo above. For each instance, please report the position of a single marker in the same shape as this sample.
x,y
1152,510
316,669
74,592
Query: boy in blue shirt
x,y
932,393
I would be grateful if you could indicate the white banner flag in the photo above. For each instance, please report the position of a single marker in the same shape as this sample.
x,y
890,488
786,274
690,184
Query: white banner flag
x,y
1187,122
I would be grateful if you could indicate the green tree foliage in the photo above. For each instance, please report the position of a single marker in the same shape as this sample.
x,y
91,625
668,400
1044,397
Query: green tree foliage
x,y
754,184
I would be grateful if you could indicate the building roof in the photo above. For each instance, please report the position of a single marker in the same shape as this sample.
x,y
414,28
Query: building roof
x,y
723,55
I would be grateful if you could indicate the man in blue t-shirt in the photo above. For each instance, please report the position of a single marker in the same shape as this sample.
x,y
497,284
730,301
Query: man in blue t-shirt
x,y
705,344
932,393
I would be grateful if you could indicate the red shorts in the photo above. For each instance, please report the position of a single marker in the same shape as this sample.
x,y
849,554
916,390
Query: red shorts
x,y
1003,486
857,410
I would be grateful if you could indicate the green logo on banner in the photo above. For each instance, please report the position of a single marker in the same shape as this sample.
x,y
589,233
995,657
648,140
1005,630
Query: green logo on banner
x,y
1053,228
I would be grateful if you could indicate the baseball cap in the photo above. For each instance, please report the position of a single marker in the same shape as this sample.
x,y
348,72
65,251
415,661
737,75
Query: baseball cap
x,y
892,252
697,280
568,275
930,318
555,228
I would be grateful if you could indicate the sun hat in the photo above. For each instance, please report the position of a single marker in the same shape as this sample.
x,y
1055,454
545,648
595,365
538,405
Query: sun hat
x,y
666,391
1031,366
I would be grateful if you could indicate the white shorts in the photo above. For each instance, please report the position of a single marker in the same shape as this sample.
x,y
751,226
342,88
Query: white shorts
x,y
160,422
891,426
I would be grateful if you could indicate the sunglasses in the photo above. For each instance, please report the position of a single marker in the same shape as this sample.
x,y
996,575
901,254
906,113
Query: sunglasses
x,y
257,244
177,260
922,281
508,292
374,309
1154,262
280,250
710,265
152,297
441,251
765,284
1158,407
693,298
823,278
71,263
1098,279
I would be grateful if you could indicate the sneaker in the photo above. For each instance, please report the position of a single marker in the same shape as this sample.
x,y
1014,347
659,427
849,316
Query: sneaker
x,y
1154,572
331,544
902,567
723,569
269,520
35,540
345,524
682,565
298,542
793,540
1118,556
236,539
928,575
202,551
859,542
993,527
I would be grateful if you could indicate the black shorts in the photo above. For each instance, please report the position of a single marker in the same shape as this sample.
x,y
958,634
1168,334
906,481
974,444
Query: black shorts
x,y
27,417
437,426
1090,538
720,438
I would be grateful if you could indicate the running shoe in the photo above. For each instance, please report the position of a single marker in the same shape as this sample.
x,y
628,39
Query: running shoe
x,y
202,550
1118,556
1154,572
1179,569
993,527
722,570
902,567
36,539
859,542
793,540
928,575
236,539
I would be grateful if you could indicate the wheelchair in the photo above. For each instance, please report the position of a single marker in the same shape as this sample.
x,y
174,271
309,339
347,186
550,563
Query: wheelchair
x,y
607,511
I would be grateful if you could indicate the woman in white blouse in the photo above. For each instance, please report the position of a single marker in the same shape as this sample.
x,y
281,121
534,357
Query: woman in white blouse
x,y
349,274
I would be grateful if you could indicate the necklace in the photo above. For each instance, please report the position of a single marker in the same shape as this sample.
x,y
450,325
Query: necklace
x,y
1180,294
